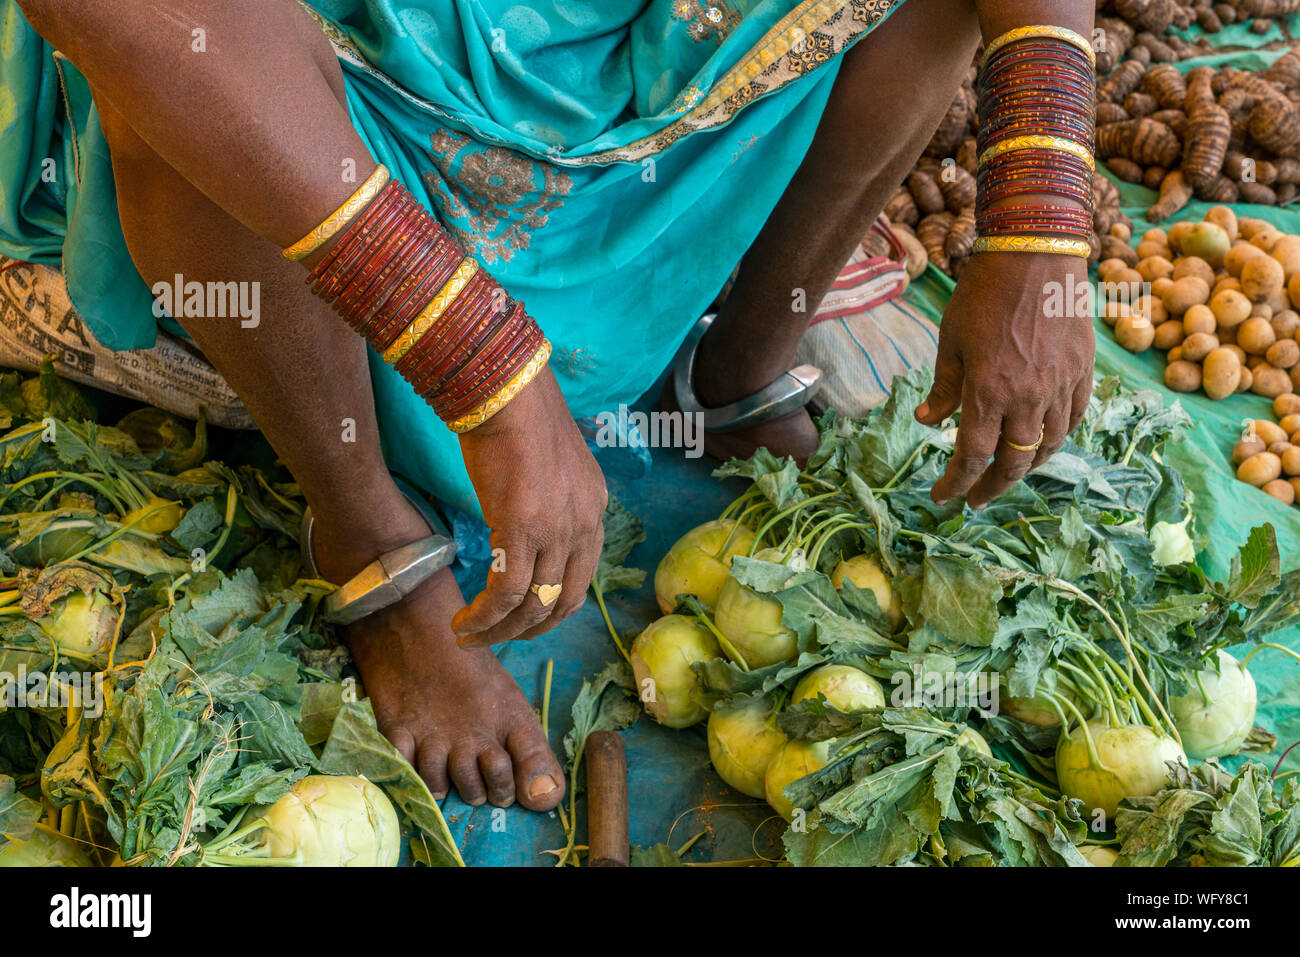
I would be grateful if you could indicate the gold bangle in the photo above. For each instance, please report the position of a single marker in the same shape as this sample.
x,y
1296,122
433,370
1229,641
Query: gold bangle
x,y
1039,141
431,313
1054,33
472,420
1032,244
340,217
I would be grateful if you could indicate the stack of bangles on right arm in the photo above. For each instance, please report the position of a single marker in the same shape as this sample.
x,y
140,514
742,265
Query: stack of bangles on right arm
x,y
1037,92
408,287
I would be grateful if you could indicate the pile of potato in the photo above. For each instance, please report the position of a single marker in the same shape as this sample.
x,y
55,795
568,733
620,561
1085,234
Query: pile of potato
x,y
1216,297
1268,455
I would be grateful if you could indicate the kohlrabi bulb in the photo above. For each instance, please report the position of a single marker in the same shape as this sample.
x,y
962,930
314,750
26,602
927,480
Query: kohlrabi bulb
x,y
742,739
975,741
865,572
699,562
846,688
752,623
1133,764
1173,544
795,759
334,821
1217,713
662,656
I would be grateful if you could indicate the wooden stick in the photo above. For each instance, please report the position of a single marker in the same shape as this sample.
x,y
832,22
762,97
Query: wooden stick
x,y
607,810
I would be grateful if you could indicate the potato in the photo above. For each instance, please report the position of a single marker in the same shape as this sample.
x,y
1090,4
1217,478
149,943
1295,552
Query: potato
x,y
1224,218
1183,376
1261,310
1248,226
1155,267
1255,362
1193,266
1261,278
1206,241
1148,249
1199,319
1295,484
1281,448
1247,380
1291,461
1155,235
1270,382
1268,432
1266,239
1260,469
1280,301
1112,310
1287,252
1221,372
1283,354
1294,372
1293,289
1286,324
1175,354
1149,307
1255,336
1199,345
1282,490
1160,287
1107,267
1121,231
1185,293
1135,333
1238,256
1247,447
1290,424
1237,351
1168,334
1284,405
1177,233
1227,282
1228,335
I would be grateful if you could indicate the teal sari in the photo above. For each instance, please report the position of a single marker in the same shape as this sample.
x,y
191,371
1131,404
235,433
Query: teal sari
x,y
609,160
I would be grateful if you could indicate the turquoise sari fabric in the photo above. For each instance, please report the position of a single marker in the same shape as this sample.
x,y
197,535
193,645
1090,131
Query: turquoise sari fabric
x,y
609,160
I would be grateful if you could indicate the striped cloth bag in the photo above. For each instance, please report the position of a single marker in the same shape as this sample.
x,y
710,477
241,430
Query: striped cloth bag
x,y
864,333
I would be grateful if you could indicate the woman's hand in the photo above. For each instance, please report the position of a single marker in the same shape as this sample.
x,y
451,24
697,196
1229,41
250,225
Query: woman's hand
x,y
1015,352
543,497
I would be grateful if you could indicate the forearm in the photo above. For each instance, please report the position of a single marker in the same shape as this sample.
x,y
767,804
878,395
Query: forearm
x,y
998,16
242,109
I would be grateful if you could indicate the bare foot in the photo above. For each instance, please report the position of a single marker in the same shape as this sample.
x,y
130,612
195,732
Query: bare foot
x,y
454,713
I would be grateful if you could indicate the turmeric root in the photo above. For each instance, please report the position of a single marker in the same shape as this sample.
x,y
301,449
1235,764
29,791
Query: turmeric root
x,y
1174,195
1153,16
933,233
925,191
1145,141
957,187
961,237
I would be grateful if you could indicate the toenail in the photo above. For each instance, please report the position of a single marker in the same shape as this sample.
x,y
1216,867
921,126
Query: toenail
x,y
542,786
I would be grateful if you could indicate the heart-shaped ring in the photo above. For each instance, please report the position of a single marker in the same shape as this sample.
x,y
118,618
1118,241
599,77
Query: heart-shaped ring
x,y
546,594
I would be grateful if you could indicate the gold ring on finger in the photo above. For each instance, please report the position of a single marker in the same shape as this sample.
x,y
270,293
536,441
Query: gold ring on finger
x,y
1027,448
546,594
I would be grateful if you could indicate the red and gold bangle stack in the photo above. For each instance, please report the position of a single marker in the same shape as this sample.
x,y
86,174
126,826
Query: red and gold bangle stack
x,y
408,287
1036,131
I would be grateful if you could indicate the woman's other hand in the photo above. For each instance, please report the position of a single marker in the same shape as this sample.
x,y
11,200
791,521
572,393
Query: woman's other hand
x,y
543,497
1016,354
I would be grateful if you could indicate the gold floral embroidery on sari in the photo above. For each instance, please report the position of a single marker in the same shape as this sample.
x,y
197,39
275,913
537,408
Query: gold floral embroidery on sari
x,y
492,198
708,19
